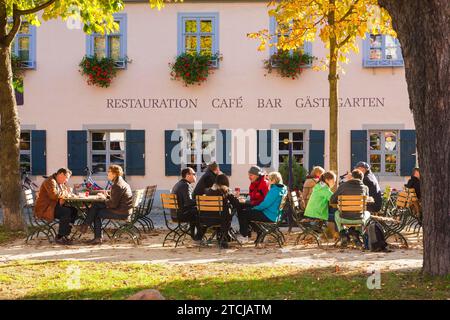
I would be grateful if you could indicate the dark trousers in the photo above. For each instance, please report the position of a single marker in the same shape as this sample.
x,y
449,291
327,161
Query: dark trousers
x,y
190,215
214,218
96,213
66,217
245,216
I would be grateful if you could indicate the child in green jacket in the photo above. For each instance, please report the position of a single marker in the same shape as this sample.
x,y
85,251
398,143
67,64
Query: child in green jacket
x,y
319,201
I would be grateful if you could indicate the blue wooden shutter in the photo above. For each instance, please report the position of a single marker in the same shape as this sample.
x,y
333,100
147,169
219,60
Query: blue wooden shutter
x,y
135,151
172,140
266,138
407,151
38,152
316,148
224,151
358,146
77,152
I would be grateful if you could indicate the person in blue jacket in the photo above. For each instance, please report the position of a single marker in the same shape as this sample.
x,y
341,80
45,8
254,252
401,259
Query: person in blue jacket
x,y
266,211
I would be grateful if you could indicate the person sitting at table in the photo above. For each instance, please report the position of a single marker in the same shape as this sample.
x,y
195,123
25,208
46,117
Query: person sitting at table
x,y
50,204
207,180
118,204
355,187
267,211
317,207
310,183
188,210
414,183
259,186
374,188
221,187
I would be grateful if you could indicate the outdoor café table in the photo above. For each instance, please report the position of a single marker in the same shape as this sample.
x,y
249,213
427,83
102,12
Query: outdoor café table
x,y
82,204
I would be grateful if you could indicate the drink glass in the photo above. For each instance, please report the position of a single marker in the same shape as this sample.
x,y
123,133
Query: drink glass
x,y
237,191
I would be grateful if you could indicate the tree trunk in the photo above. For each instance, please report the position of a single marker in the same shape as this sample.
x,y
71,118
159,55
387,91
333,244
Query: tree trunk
x,y
423,28
10,188
333,83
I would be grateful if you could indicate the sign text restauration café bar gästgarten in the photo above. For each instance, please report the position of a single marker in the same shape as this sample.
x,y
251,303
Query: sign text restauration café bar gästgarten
x,y
239,103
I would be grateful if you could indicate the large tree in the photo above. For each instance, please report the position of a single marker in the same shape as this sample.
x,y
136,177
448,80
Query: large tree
x,y
423,28
338,23
97,15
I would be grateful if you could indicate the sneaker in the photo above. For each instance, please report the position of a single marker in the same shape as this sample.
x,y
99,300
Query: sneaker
x,y
242,239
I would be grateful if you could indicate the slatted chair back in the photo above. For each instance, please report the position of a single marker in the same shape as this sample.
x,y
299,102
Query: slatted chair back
x,y
29,198
150,192
295,203
352,203
138,201
412,194
170,203
209,204
403,200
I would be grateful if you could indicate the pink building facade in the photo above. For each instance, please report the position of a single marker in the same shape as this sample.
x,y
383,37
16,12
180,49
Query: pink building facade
x,y
153,126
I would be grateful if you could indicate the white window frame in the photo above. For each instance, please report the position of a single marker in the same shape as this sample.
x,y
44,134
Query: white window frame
x,y
106,152
294,152
27,152
186,151
383,152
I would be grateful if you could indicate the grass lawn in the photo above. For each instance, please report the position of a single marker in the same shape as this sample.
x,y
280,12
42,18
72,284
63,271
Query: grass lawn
x,y
99,280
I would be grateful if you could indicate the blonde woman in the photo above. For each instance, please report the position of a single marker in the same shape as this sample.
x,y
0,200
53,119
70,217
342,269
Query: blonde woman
x,y
118,204
311,182
266,211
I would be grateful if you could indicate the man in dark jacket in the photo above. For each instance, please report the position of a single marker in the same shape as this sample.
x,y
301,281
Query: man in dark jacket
x,y
188,210
372,183
414,182
207,180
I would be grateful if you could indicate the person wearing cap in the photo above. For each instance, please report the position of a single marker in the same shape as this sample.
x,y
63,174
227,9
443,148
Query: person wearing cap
x,y
207,180
259,186
372,183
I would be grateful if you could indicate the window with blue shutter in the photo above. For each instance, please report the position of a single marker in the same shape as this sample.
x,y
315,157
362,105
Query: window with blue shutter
x,y
307,46
77,151
198,33
24,45
316,148
172,155
135,152
384,152
224,138
264,148
407,151
358,146
38,152
381,50
110,45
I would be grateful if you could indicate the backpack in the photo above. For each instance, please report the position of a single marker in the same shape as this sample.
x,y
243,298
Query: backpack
x,y
374,237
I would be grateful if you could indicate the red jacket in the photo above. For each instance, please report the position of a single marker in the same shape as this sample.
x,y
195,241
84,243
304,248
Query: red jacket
x,y
258,190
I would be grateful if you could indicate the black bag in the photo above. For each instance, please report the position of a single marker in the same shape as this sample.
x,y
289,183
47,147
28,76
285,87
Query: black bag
x,y
375,237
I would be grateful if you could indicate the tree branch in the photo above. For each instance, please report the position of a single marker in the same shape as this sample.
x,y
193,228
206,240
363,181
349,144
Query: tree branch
x,y
37,8
349,12
17,21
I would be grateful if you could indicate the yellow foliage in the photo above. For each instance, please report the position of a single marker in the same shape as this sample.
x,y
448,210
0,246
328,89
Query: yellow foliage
x,y
338,23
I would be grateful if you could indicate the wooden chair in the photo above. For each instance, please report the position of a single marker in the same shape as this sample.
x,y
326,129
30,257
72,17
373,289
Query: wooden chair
x,y
415,211
127,226
172,212
207,205
144,219
35,225
355,205
310,229
394,224
272,229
